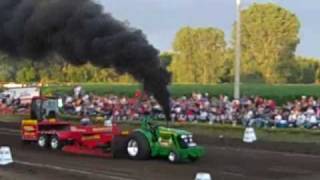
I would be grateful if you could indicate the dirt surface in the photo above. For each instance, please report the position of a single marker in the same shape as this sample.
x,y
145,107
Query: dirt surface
x,y
225,159
23,172
301,148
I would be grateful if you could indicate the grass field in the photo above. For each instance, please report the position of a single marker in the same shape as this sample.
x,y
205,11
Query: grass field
x,y
281,93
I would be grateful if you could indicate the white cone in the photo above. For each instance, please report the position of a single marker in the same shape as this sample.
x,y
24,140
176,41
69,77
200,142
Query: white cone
x,y
5,156
249,135
203,176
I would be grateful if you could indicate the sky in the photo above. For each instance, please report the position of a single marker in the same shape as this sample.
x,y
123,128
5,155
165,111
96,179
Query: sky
x,y
161,19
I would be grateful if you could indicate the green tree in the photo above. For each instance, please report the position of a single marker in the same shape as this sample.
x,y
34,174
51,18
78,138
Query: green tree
x,y
76,73
227,72
51,69
304,70
7,69
269,37
26,74
199,55
317,78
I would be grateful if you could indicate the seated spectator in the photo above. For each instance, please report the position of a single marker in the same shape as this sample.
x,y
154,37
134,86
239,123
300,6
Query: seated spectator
x,y
247,119
85,119
280,122
293,117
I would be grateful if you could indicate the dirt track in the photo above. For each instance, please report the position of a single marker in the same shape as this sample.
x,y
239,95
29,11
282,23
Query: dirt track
x,y
234,161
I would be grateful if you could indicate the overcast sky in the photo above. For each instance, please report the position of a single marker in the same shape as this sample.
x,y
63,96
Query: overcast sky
x,y
161,19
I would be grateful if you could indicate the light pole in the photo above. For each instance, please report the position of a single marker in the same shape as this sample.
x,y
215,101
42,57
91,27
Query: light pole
x,y
238,52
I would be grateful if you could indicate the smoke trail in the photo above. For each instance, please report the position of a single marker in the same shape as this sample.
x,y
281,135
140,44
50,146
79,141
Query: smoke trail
x,y
80,32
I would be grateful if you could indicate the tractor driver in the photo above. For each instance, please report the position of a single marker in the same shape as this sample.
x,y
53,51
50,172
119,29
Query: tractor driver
x,y
153,128
51,116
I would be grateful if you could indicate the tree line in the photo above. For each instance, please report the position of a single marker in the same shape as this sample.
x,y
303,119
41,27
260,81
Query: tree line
x,y
269,37
269,34
54,70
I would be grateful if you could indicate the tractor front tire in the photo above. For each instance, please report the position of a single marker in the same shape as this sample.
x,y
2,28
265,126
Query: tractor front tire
x,y
174,157
138,147
55,143
43,141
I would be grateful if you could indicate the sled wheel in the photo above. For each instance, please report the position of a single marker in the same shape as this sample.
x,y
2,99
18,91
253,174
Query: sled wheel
x,y
25,142
173,157
55,143
118,147
138,147
43,141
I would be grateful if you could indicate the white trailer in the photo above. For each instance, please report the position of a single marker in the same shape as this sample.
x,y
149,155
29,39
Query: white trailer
x,y
25,94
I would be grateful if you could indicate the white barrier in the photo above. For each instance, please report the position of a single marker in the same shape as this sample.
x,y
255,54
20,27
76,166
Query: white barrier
x,y
203,176
249,135
5,156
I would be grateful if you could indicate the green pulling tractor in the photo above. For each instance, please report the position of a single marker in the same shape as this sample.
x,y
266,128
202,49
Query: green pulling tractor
x,y
156,141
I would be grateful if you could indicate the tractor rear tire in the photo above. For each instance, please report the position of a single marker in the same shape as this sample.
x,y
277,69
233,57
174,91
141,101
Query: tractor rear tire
x,y
138,147
43,141
55,143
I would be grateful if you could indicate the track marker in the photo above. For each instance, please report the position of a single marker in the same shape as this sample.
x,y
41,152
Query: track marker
x,y
5,156
249,135
203,176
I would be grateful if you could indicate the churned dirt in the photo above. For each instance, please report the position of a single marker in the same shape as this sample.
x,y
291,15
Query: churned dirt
x,y
226,159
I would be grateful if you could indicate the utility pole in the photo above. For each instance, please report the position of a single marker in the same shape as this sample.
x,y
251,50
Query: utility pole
x,y
238,52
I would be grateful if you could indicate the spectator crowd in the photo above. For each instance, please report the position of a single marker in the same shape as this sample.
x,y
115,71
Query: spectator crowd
x,y
248,111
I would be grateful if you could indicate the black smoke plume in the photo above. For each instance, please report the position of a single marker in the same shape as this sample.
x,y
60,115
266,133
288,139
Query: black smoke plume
x,y
81,32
